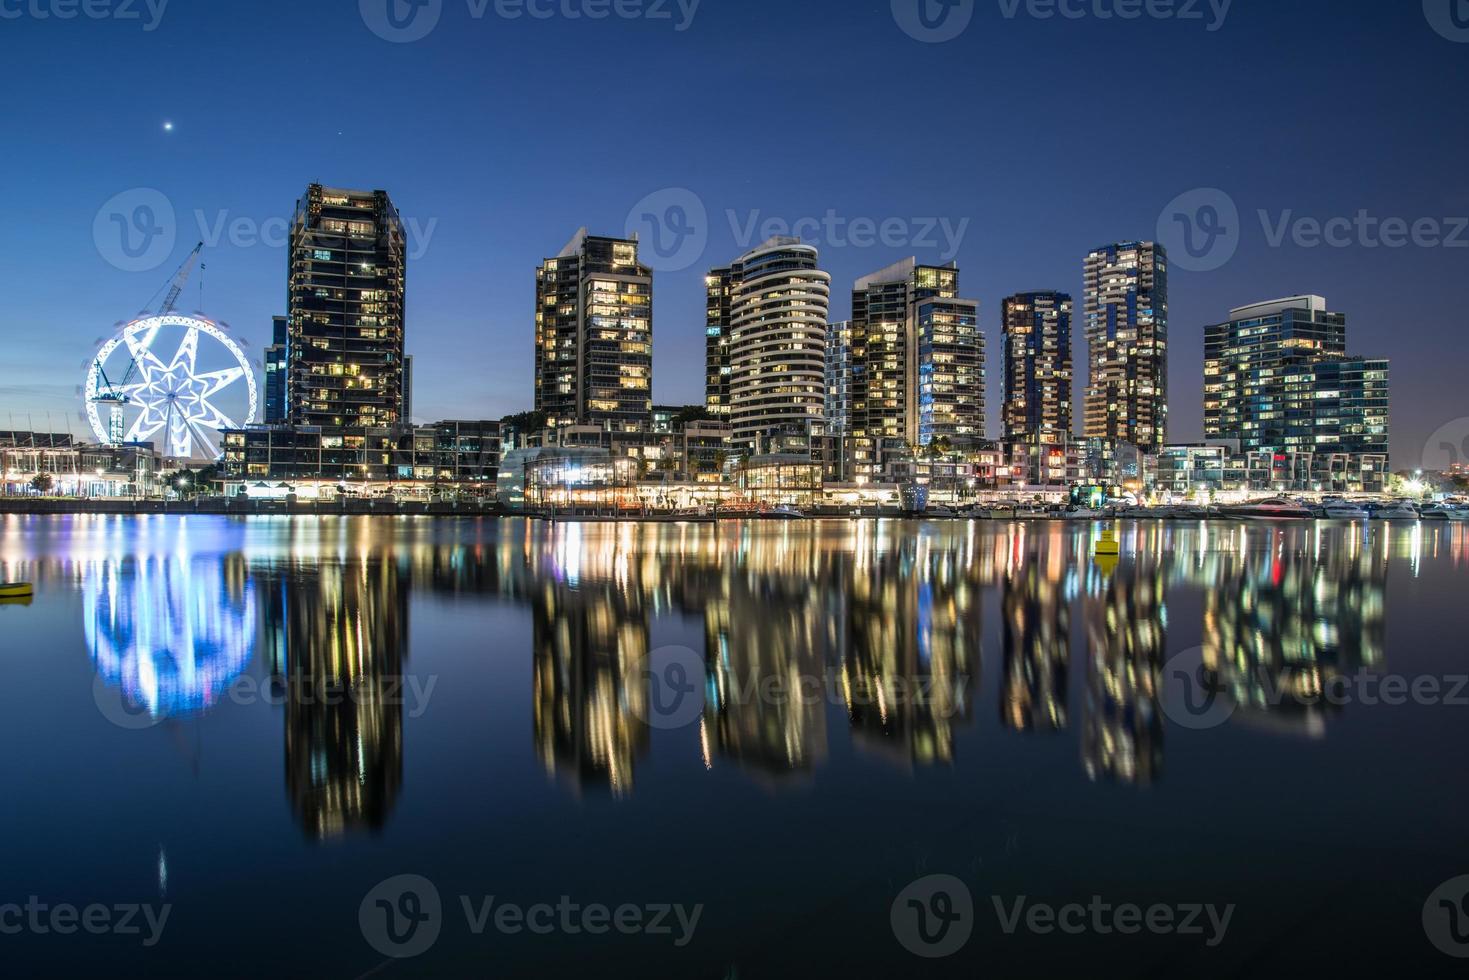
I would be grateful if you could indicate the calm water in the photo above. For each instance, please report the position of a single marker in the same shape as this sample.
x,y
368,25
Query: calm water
x,y
256,722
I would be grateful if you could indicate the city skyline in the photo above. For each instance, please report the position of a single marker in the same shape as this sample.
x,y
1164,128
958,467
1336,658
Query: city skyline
x,y
1014,223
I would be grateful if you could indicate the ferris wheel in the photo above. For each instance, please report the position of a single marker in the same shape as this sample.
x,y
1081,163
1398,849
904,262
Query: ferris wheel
x,y
183,379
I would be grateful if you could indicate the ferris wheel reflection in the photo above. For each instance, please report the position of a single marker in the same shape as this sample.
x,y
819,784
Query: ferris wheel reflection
x,y
171,633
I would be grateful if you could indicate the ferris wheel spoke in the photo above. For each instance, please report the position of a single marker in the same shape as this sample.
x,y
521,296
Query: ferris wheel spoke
x,y
188,352
217,381
144,427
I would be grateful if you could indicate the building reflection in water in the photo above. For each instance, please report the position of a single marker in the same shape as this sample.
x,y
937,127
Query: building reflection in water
x,y
337,636
1126,632
1282,629
873,627
172,633
1036,613
590,648
766,643
912,661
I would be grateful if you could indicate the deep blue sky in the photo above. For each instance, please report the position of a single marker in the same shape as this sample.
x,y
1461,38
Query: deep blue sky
x,y
1049,136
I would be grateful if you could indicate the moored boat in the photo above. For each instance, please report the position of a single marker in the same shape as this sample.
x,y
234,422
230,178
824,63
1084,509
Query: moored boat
x,y
15,590
1445,512
1271,509
1341,510
1398,510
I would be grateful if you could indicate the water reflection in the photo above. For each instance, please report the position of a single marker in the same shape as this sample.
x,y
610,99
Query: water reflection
x,y
170,632
338,635
869,633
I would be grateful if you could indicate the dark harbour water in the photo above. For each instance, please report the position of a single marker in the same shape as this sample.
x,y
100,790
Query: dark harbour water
x,y
256,723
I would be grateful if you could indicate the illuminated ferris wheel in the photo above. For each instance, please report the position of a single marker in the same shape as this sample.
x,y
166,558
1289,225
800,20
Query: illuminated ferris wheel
x,y
183,380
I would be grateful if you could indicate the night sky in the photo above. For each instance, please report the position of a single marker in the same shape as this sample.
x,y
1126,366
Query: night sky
x,y
1041,137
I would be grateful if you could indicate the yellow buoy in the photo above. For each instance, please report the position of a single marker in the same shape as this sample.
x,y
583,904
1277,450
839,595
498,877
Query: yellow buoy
x,y
15,590
1108,545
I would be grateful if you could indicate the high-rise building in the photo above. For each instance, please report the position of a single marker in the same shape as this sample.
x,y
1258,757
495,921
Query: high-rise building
x,y
594,335
716,343
1257,371
1352,405
277,367
407,413
917,361
839,378
777,343
347,271
1277,378
1127,336
1036,330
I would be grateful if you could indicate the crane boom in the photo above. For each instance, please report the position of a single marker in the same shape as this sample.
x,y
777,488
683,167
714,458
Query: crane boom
x,y
179,280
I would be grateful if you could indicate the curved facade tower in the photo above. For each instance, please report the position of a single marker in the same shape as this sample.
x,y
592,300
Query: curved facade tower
x,y
779,301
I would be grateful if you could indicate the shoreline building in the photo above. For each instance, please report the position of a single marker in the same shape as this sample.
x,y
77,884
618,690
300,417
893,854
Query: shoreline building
x,y
917,363
1278,379
277,367
773,303
839,378
1037,411
347,269
594,336
1126,307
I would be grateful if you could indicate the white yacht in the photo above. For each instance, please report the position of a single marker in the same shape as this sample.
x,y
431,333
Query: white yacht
x,y
1342,510
1445,512
1398,510
1272,509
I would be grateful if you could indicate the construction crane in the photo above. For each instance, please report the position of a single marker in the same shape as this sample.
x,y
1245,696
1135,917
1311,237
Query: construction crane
x,y
115,395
